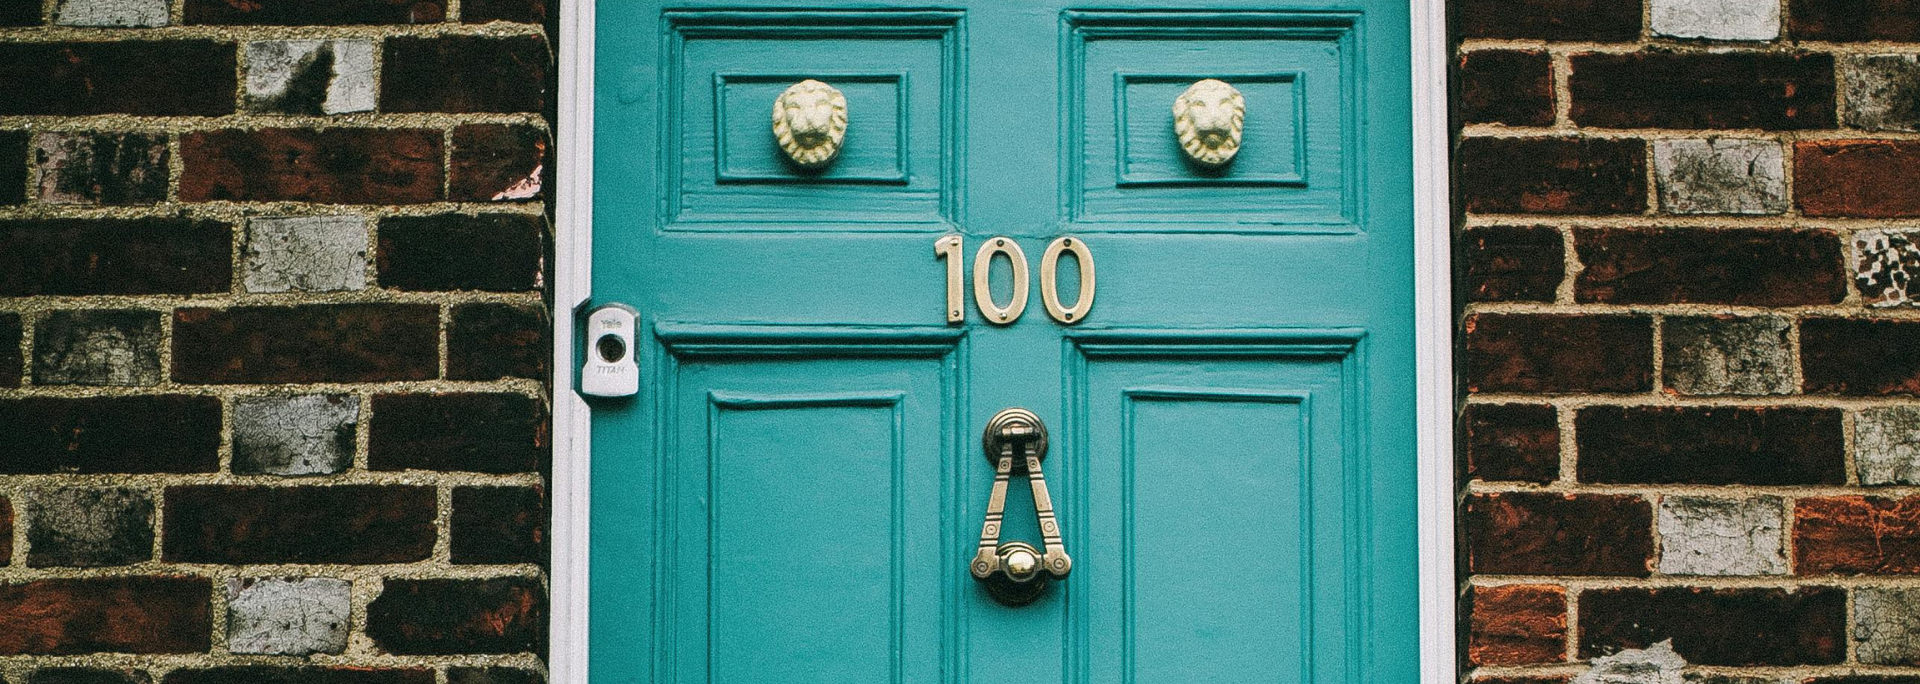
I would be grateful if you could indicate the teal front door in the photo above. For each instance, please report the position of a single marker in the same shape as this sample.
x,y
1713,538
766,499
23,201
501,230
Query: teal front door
x,y
835,299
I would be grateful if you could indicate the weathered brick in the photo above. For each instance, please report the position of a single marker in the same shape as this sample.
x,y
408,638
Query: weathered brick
x,y
311,77
1854,20
1512,442
1770,90
1710,445
1720,176
1559,353
499,525
355,524
1716,19
106,615
79,257
153,78
1712,536
305,254
492,341
331,166
1884,265
111,13
6,531
1707,355
1886,445
1740,266
313,343
97,347
20,14
1866,179
274,674
521,11
13,165
486,433
101,169
141,434
1517,624
1883,92
12,364
1886,625
1551,175
454,616
1513,263
87,675
1558,534
1581,20
492,675
311,434
1860,356
1852,535
1719,626
87,527
498,163
305,12
1521,679
1512,87
464,74
290,616
496,252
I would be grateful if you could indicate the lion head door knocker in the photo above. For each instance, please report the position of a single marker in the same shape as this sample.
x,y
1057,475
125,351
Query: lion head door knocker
x,y
810,123
1209,118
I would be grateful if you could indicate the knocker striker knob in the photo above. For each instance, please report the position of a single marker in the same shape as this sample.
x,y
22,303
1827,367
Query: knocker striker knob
x,y
810,123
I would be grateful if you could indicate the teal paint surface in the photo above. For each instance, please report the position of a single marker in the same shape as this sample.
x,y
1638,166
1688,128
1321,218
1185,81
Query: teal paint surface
x,y
796,492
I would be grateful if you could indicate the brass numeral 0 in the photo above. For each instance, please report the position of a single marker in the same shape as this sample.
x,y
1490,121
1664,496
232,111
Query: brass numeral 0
x,y
983,290
1050,285
949,248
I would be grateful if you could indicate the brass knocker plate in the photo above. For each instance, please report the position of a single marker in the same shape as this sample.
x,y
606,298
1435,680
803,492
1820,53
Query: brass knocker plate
x,y
1015,573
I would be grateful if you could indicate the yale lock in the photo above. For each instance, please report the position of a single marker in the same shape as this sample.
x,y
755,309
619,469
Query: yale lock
x,y
1015,573
610,370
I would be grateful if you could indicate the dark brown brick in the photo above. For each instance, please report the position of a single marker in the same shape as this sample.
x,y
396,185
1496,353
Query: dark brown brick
x,y
493,341
11,362
464,74
145,434
20,14
1768,90
79,257
1552,175
449,616
1719,626
87,675
1513,442
153,78
106,615
1582,20
1559,353
1558,534
306,12
520,11
498,163
299,344
332,166
1857,178
273,674
1854,20
6,531
1517,624
1740,266
357,524
495,252
486,433
1852,535
493,675
1861,357
1513,263
1710,445
499,525
1512,87
13,164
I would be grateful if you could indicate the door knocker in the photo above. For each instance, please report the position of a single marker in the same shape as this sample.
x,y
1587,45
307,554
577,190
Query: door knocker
x,y
1015,573
1209,118
810,123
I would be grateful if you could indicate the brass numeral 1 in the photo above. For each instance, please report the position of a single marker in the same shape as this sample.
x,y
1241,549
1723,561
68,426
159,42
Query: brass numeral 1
x,y
948,247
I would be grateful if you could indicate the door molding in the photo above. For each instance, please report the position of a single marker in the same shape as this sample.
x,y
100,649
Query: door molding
x,y
1433,306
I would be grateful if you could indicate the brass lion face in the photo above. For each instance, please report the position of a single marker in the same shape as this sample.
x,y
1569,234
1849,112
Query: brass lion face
x,y
810,123
1209,118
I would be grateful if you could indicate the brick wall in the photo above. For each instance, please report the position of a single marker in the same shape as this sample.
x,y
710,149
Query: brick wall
x,y
272,341
1690,343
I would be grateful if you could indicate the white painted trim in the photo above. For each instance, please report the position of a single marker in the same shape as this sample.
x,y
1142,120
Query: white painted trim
x,y
1433,319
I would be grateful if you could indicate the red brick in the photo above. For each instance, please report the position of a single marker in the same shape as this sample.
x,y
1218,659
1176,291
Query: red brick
x,y
138,434
78,257
1517,625
11,362
1860,357
6,531
499,525
521,11
494,252
1853,535
1768,90
1854,20
1582,20
273,674
1554,353
152,78
13,165
464,74
1551,176
106,615
1710,445
301,344
486,433
493,341
452,616
307,12
1740,266
1857,178
1719,626
1513,263
498,163
332,166
1512,442
1512,87
1558,534
358,524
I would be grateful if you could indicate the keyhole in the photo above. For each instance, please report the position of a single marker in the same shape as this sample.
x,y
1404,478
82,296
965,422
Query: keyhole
x,y
612,349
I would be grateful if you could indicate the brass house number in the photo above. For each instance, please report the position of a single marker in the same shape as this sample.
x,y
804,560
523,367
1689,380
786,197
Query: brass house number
x,y
950,248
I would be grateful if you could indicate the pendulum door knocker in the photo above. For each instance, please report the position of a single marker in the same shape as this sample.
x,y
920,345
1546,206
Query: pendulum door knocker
x,y
1014,572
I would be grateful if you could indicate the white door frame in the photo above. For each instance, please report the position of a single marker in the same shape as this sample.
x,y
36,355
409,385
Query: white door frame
x,y
1433,318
